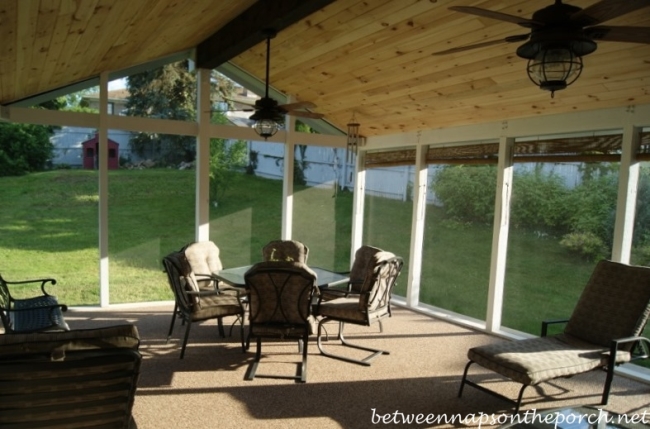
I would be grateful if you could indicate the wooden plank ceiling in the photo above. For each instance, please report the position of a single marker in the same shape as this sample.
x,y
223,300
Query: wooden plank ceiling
x,y
371,58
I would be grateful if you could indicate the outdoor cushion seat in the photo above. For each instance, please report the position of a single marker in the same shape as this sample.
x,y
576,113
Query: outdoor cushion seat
x,y
535,360
364,305
79,378
285,250
193,304
603,332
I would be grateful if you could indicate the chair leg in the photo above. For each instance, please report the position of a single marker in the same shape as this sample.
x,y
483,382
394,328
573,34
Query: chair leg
x,y
222,333
187,335
258,355
465,381
303,367
301,373
611,365
462,382
365,361
171,326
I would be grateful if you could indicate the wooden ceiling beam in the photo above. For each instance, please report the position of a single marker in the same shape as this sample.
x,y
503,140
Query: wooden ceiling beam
x,y
247,29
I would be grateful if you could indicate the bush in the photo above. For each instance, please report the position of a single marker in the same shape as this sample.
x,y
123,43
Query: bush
x,y
585,244
24,148
539,202
467,192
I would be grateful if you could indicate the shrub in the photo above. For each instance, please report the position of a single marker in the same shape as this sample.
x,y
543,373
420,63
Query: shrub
x,y
24,148
467,192
539,202
585,244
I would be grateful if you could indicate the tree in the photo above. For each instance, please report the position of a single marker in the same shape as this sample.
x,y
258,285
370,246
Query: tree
x,y
24,148
168,92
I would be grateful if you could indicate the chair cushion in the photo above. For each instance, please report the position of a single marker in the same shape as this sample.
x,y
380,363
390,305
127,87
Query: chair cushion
x,y
614,304
203,258
217,305
348,309
285,250
534,360
57,343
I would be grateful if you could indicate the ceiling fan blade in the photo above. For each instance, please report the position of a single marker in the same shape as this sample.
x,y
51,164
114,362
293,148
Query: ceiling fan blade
x,y
298,105
509,39
245,103
619,34
605,10
304,114
524,22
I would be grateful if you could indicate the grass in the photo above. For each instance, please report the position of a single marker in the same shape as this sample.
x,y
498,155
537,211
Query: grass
x,y
49,228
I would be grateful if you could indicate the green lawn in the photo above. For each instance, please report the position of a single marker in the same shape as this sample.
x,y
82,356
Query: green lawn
x,y
49,228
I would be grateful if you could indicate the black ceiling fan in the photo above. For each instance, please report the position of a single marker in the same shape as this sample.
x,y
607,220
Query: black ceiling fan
x,y
560,36
269,115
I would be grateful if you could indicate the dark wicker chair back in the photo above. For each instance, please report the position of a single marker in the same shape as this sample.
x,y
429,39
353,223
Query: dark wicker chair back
x,y
75,379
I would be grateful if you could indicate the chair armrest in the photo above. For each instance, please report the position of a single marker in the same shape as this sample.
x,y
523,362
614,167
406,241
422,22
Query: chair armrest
x,y
63,307
545,324
43,282
619,341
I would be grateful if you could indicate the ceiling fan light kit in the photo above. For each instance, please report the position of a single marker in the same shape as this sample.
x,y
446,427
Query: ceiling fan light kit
x,y
560,35
553,69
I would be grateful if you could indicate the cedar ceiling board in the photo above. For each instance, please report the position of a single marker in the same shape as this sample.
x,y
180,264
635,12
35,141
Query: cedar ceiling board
x,y
7,47
57,44
371,54
311,45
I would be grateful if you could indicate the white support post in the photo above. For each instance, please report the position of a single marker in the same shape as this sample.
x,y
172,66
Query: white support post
x,y
287,186
628,180
417,226
500,235
202,203
358,200
102,153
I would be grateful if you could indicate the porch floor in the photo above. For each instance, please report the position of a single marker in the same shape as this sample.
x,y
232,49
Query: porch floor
x,y
421,375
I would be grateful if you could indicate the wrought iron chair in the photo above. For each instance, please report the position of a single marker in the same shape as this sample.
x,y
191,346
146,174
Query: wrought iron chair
x,y
196,305
72,379
203,258
280,296
367,304
39,313
602,332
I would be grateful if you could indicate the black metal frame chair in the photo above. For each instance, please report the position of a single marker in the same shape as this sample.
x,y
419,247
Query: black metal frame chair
x,y
34,314
603,332
369,304
280,303
194,305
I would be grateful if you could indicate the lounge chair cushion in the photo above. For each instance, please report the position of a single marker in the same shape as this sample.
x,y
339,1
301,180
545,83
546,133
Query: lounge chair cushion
x,y
534,360
598,318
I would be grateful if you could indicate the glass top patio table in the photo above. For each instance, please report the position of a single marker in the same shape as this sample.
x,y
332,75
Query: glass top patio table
x,y
235,276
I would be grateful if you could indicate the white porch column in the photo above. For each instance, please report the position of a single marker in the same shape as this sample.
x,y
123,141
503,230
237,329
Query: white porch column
x,y
102,153
417,226
628,181
358,204
202,200
287,181
500,234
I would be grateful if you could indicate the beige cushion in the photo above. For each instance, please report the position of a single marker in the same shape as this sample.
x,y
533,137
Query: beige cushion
x,y
534,360
203,258
614,304
285,250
